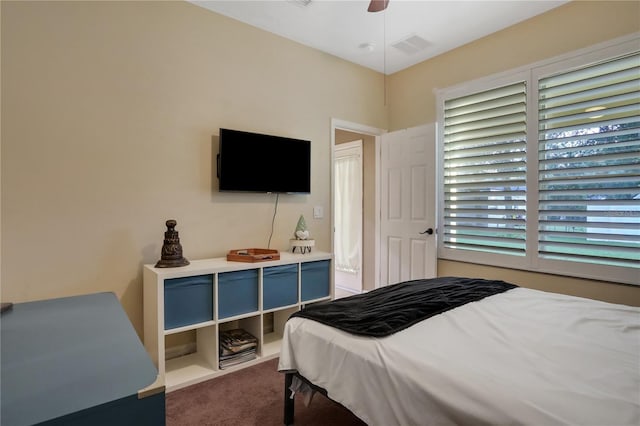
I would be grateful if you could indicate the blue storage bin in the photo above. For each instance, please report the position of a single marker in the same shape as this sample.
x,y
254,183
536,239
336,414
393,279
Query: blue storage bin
x,y
279,286
188,300
315,280
237,293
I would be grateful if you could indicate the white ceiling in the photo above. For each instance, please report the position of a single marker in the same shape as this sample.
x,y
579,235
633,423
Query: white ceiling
x,y
344,27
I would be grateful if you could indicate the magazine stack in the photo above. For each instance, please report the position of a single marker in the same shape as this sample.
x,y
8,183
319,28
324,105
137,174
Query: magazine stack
x,y
236,346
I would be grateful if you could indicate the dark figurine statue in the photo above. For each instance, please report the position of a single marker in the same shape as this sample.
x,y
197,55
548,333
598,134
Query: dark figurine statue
x,y
171,256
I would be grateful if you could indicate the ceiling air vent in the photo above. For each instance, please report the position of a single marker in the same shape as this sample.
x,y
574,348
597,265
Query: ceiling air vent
x,y
301,3
411,44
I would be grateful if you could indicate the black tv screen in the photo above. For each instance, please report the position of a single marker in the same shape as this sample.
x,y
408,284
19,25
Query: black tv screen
x,y
254,162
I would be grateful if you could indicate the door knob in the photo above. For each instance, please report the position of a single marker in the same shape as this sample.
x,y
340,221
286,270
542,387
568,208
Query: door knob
x,y
428,231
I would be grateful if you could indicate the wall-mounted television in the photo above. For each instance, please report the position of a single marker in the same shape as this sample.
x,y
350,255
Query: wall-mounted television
x,y
254,162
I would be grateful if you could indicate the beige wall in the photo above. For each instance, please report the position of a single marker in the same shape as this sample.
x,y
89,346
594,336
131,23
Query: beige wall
x,y
108,113
573,26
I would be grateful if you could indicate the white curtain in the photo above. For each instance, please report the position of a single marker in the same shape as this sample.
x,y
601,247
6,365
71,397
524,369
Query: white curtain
x,y
348,212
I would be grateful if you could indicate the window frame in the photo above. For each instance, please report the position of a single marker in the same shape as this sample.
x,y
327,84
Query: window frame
x,y
531,74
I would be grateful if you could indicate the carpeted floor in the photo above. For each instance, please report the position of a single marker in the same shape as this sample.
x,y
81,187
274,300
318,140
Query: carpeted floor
x,y
252,396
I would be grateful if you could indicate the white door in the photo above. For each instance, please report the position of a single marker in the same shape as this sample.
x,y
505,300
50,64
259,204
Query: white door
x,y
408,204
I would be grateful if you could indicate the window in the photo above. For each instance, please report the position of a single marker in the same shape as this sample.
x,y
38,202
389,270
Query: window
x,y
589,164
541,167
485,171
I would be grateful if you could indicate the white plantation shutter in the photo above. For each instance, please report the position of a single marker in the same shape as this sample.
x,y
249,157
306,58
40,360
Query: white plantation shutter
x,y
589,164
485,171
544,175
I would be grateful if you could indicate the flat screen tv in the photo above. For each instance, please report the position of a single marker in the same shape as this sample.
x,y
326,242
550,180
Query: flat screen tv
x,y
254,162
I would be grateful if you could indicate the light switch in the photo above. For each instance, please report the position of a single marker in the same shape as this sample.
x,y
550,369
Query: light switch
x,y
318,212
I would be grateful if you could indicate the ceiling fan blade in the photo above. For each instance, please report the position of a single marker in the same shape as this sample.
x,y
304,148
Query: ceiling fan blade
x,y
377,5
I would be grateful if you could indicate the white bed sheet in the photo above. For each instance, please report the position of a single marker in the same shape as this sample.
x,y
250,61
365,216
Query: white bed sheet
x,y
520,357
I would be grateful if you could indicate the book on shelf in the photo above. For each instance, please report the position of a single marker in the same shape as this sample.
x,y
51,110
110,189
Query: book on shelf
x,y
236,340
236,346
239,358
224,354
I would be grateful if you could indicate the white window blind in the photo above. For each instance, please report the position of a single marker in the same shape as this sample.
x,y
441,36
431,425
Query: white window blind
x,y
589,164
485,171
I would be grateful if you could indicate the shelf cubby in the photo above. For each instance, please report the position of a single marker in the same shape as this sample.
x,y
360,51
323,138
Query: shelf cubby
x,y
211,295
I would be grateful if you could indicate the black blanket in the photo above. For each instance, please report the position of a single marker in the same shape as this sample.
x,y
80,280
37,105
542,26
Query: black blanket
x,y
387,310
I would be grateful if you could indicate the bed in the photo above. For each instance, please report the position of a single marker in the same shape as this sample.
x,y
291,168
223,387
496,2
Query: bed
x,y
518,356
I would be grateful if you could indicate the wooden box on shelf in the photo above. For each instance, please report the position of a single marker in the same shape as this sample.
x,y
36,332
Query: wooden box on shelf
x,y
253,255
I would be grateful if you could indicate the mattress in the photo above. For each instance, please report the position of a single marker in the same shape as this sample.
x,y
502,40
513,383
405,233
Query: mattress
x,y
519,357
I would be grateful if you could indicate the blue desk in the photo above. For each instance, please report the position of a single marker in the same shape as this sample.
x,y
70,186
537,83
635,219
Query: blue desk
x,y
75,361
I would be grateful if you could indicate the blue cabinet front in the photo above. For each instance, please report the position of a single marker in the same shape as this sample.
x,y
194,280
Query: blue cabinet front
x,y
188,300
279,286
315,280
237,293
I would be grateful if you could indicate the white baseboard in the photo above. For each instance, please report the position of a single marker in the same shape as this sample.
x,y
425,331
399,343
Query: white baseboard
x,y
348,290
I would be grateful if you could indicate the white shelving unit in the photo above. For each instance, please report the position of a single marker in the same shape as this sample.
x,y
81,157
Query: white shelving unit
x,y
215,294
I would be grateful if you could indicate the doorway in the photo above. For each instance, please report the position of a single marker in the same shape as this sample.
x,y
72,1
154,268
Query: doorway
x,y
409,255
348,217
343,132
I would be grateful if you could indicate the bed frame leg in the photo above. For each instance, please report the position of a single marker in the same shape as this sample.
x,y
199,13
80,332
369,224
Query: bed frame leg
x,y
288,401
